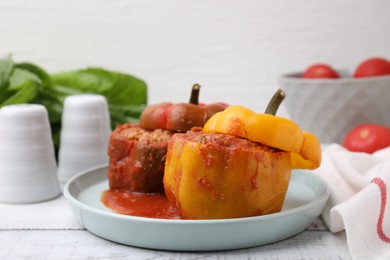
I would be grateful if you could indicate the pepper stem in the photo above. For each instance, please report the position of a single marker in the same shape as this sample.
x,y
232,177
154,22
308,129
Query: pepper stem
x,y
194,99
275,102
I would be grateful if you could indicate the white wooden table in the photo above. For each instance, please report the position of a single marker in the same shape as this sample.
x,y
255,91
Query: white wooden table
x,y
314,243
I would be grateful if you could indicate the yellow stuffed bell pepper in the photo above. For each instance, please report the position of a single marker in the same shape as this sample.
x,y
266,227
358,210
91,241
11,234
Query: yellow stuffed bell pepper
x,y
216,176
238,166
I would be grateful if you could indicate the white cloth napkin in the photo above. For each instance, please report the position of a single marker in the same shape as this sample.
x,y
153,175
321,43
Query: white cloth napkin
x,y
52,214
359,185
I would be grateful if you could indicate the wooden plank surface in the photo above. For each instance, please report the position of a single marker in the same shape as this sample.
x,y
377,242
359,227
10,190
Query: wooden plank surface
x,y
80,244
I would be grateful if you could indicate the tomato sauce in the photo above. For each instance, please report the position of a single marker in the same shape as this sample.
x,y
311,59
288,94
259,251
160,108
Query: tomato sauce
x,y
149,205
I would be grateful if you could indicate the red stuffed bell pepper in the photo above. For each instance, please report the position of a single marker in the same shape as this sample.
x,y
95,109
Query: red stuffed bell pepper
x,y
137,152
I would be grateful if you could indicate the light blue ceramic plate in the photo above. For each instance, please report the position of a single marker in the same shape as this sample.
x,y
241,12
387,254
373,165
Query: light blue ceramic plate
x,y
304,202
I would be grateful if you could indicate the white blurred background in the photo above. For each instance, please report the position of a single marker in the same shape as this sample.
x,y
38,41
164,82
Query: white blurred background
x,y
236,50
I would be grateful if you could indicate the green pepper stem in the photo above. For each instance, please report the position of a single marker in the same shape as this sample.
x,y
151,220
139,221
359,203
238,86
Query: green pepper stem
x,y
275,102
194,99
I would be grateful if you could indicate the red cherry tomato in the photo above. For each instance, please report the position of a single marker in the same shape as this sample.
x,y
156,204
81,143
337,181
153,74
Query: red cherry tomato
x,y
367,138
320,71
373,67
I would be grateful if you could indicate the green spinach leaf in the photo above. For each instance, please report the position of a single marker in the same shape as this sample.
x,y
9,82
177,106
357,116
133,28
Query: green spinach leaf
x,y
126,95
6,67
28,83
117,87
26,93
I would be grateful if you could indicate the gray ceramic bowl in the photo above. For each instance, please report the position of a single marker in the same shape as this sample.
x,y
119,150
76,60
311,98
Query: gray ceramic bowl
x,y
329,108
